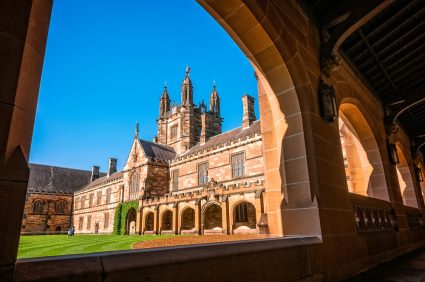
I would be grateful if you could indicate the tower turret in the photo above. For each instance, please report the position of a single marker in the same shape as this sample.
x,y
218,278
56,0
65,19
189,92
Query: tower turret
x,y
215,102
187,89
164,103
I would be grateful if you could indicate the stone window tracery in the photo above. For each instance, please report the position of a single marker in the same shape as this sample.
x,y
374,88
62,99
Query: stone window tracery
x,y
80,222
91,197
99,198
238,165
83,201
88,222
134,186
37,206
60,207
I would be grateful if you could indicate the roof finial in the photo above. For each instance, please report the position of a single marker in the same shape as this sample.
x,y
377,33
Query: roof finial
x,y
136,132
187,70
165,84
214,84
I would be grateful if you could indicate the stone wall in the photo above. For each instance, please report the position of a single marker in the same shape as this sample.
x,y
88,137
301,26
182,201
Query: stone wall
x,y
50,219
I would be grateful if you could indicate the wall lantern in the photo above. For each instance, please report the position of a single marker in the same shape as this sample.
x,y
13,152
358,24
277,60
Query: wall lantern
x,y
392,152
327,102
419,175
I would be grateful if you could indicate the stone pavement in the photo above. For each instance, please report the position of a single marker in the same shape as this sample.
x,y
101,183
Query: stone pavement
x,y
408,268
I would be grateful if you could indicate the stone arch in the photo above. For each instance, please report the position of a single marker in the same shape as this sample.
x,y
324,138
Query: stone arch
x,y
187,219
37,206
283,83
212,220
362,158
149,221
244,216
405,178
60,206
130,226
167,220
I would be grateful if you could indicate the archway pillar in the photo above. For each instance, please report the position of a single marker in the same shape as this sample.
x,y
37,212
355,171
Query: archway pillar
x,y
156,222
258,210
225,216
139,221
198,218
175,227
24,26
143,223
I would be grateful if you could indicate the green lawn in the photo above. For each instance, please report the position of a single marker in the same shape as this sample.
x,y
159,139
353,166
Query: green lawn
x,y
54,245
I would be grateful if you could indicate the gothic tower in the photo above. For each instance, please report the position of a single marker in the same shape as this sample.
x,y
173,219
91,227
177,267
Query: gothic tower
x,y
187,90
164,103
215,102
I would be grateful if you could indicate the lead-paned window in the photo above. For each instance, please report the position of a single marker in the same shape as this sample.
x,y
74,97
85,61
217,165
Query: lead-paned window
x,y
134,186
203,173
238,165
99,198
173,132
175,178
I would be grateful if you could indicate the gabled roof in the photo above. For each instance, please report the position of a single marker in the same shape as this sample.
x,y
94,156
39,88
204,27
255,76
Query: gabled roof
x,y
53,179
233,134
157,151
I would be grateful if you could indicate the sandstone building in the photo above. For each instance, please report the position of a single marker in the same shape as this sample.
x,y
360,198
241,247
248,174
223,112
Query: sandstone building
x,y
49,201
192,178
314,60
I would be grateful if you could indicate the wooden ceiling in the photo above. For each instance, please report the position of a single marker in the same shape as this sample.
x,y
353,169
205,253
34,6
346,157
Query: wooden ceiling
x,y
384,41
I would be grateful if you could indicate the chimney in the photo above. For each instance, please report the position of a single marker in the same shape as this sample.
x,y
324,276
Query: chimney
x,y
203,137
94,173
155,139
112,167
248,111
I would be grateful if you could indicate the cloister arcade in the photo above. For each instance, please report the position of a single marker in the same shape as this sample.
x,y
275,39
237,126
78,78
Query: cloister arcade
x,y
330,229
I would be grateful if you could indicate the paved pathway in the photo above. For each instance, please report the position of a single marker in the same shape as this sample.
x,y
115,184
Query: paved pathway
x,y
408,268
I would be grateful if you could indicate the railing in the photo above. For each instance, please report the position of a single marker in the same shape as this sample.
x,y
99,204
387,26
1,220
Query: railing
x,y
372,214
414,218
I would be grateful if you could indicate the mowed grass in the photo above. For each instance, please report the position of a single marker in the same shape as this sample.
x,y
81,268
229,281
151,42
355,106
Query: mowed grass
x,y
54,245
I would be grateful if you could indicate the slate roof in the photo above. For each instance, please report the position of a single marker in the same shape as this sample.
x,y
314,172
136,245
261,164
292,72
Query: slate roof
x,y
157,151
100,180
53,179
233,134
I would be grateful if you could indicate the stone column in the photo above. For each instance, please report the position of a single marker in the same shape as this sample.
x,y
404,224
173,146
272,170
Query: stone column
x,y
225,216
175,227
197,219
139,220
258,210
23,32
156,220
143,221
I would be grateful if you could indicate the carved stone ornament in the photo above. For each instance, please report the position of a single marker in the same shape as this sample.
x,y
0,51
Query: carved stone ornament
x,y
329,64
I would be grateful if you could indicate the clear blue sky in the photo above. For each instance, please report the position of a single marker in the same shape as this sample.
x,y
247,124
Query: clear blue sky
x,y
105,67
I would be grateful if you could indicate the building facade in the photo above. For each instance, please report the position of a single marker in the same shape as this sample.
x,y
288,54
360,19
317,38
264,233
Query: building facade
x,y
192,177
49,199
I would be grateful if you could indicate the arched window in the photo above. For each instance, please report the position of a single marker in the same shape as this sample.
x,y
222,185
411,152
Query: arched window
x,y
37,206
241,213
60,207
134,186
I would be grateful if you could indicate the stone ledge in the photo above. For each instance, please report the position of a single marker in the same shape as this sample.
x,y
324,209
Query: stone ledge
x,y
162,263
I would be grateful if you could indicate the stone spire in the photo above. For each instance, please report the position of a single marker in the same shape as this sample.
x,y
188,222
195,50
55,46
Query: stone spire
x,y
215,102
187,89
164,103
136,131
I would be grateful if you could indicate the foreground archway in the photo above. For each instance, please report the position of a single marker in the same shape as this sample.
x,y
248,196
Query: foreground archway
x,y
362,159
405,179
